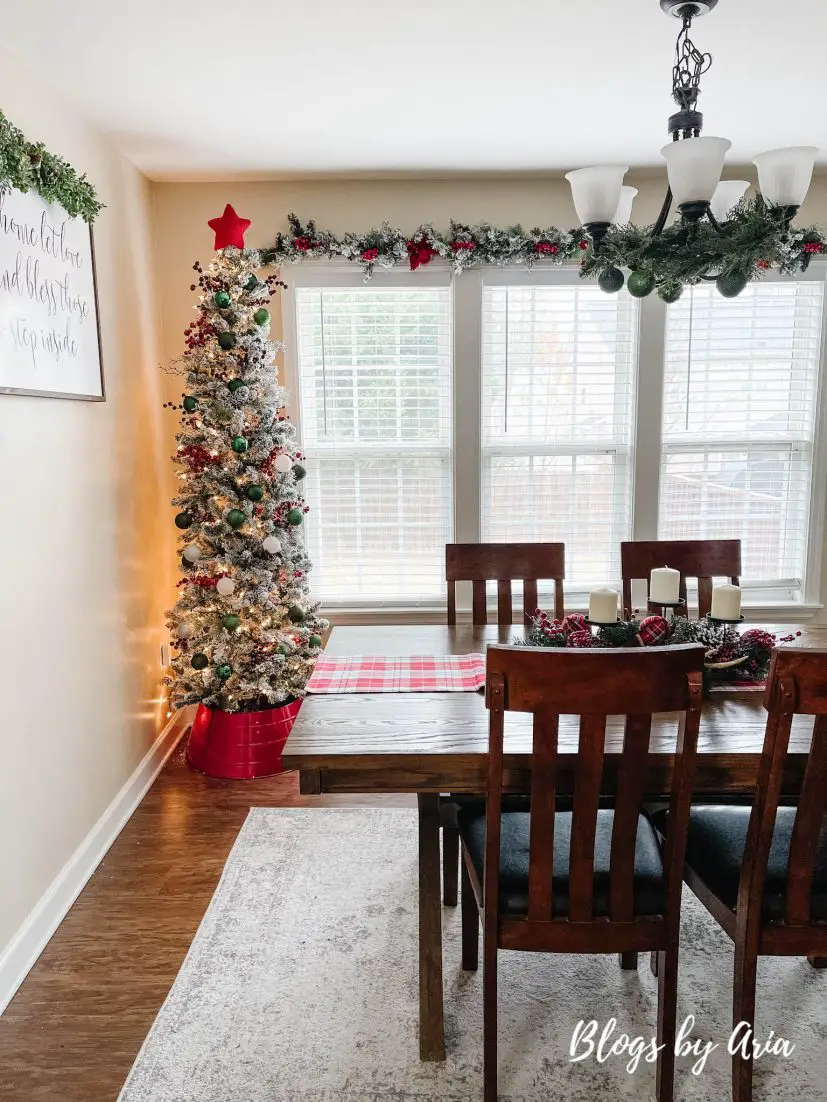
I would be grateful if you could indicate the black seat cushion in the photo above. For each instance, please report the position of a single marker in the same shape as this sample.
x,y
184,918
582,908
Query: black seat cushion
x,y
649,889
715,852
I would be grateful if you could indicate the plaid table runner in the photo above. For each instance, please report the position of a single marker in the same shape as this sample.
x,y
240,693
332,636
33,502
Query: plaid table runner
x,y
415,673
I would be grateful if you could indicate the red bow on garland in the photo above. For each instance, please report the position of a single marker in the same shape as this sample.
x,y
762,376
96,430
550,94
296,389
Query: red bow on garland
x,y
420,252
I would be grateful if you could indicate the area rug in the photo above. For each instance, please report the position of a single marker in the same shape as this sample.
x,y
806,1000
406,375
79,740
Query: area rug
x,y
301,986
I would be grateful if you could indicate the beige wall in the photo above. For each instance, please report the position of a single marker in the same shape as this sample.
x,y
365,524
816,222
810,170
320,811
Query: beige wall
x,y
87,562
181,212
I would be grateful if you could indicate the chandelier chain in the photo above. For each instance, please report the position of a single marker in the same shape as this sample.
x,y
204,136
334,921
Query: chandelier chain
x,y
690,65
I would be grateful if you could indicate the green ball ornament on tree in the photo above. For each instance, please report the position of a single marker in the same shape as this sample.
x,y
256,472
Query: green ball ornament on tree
x,y
235,518
240,444
255,493
226,341
224,671
189,403
221,299
610,280
731,284
261,316
183,520
298,472
282,649
231,622
251,283
235,384
670,292
315,640
294,516
295,614
640,284
199,661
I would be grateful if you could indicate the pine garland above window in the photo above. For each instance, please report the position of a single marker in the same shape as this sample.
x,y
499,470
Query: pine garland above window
x,y
752,240
28,166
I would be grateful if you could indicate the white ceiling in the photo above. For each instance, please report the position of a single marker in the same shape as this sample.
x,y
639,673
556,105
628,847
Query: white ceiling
x,y
216,88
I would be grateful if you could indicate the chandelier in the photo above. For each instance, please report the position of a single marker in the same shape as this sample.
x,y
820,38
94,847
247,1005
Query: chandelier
x,y
718,235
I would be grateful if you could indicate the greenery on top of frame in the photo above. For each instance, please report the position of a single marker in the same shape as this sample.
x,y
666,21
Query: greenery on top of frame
x,y
751,241
30,166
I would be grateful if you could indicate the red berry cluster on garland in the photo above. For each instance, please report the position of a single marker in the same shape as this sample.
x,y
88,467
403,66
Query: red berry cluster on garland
x,y
546,247
459,246
812,247
369,255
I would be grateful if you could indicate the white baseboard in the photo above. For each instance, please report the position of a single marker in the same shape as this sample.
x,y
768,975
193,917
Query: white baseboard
x,y
28,943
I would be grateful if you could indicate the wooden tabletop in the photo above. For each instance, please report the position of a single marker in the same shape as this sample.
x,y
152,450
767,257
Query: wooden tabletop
x,y
436,742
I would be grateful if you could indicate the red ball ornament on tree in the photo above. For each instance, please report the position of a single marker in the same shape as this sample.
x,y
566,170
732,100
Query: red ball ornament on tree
x,y
654,630
229,229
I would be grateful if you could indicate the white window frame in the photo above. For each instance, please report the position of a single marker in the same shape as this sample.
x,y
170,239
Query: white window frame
x,y
646,447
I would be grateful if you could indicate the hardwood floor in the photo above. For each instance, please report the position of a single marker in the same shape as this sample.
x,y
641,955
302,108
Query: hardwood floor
x,y
75,1026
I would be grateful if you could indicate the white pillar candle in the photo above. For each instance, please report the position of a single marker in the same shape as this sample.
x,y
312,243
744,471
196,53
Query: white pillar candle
x,y
603,606
726,602
664,585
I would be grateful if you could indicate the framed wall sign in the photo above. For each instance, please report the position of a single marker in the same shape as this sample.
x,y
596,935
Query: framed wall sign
x,y
49,329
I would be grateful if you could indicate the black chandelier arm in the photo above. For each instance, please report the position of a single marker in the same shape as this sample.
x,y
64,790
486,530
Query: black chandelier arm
x,y
659,225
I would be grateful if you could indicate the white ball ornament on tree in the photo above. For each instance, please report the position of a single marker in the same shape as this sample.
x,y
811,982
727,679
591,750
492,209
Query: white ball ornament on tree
x,y
283,463
192,552
185,631
225,586
272,545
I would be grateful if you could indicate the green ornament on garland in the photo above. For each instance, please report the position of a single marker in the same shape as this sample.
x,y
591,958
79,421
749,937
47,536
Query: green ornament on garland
x,y
298,472
315,640
295,516
282,649
224,671
255,493
221,299
670,292
640,284
183,520
610,280
251,283
231,622
235,384
189,403
235,518
296,614
731,284
261,316
199,661
240,444
226,341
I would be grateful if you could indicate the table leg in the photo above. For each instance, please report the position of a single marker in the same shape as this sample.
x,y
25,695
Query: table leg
x,y
431,1028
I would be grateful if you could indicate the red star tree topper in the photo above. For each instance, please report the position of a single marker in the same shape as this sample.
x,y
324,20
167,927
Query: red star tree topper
x,y
229,229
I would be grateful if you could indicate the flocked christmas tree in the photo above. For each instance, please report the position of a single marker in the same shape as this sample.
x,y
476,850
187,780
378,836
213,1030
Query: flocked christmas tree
x,y
245,634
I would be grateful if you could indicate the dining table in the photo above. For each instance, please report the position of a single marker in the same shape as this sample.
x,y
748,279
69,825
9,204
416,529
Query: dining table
x,y
428,743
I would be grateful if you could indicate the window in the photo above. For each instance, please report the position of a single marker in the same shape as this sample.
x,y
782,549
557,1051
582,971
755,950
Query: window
x,y
504,404
558,367
374,380
739,417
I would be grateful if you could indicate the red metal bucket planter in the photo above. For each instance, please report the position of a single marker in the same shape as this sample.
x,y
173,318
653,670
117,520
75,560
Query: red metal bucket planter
x,y
240,745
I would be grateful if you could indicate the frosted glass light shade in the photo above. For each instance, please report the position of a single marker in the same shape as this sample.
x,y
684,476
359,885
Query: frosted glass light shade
x,y
784,175
728,194
694,166
623,213
596,191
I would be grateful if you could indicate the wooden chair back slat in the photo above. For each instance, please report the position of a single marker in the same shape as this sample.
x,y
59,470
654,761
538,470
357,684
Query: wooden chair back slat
x,y
631,783
541,840
549,683
797,685
504,563
587,777
701,559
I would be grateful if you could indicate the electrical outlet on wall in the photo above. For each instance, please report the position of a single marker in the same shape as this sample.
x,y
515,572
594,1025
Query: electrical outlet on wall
x,y
164,655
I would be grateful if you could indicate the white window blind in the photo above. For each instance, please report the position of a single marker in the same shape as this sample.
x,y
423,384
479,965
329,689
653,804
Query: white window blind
x,y
558,390
740,396
375,392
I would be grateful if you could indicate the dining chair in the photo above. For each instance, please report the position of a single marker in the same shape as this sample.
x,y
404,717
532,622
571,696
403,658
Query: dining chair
x,y
585,880
503,563
701,559
761,871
